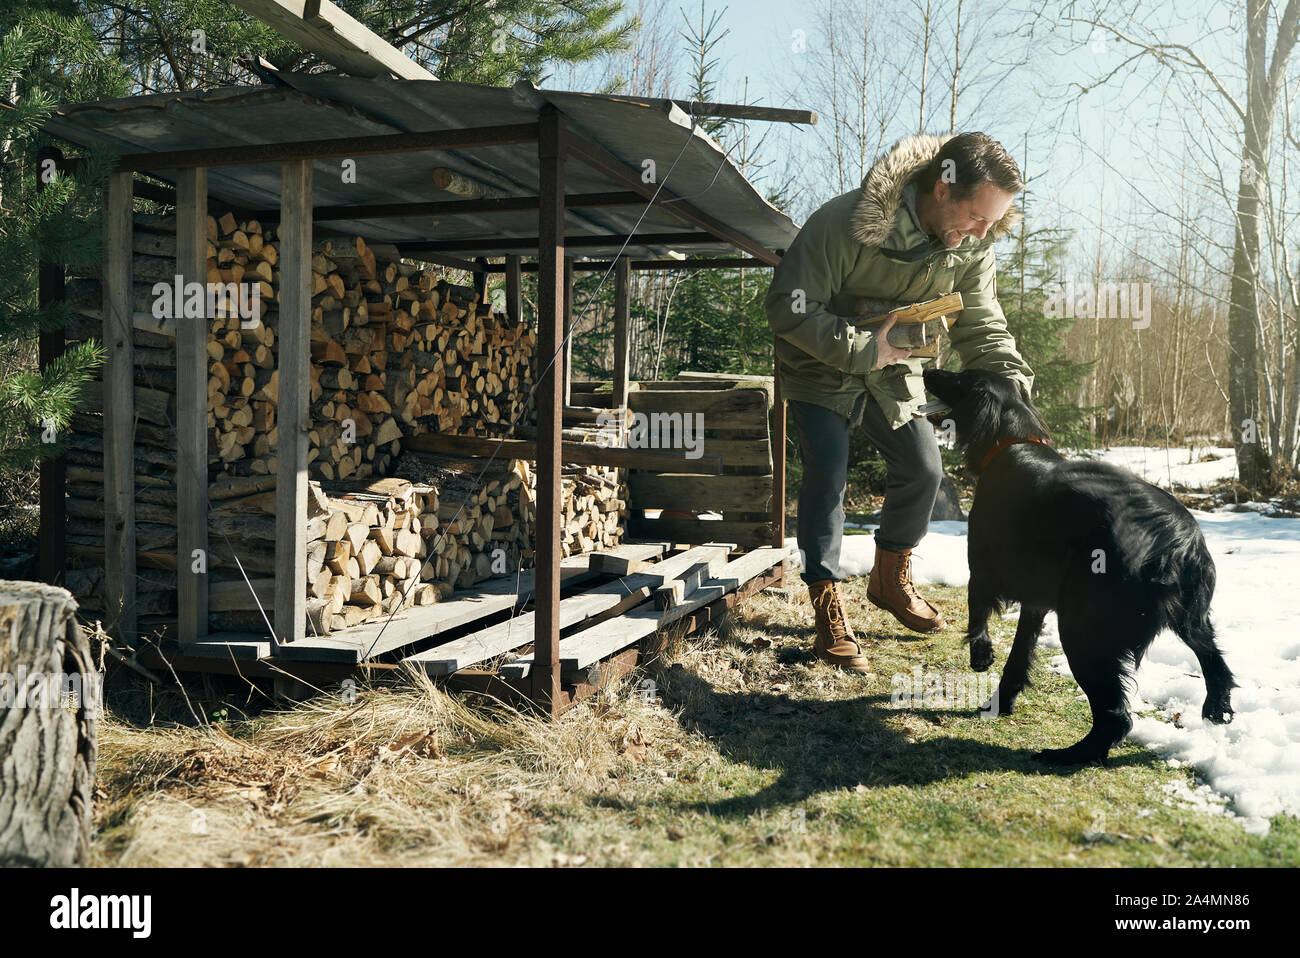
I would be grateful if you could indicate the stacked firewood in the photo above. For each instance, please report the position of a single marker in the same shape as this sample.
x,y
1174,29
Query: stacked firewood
x,y
368,551
592,509
396,352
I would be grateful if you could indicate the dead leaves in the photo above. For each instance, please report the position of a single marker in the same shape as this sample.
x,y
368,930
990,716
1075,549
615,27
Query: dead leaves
x,y
421,744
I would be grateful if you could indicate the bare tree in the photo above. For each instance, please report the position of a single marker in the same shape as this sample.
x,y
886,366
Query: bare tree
x,y
1253,110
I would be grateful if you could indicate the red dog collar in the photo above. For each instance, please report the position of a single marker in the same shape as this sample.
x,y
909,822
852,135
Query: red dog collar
x,y
1003,444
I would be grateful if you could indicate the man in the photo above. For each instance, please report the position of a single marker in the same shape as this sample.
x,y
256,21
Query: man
x,y
922,224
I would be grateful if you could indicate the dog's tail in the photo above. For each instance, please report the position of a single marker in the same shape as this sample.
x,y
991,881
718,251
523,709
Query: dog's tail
x,y
1188,568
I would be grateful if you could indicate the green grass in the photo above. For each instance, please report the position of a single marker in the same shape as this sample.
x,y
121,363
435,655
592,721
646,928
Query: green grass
x,y
793,763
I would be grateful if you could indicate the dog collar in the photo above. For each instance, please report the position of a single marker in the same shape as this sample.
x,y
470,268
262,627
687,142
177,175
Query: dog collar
x,y
1003,444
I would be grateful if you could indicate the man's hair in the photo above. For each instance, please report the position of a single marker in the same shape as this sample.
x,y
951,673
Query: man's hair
x,y
975,158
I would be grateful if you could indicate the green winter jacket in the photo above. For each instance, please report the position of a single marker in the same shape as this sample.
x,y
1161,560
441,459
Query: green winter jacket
x,y
865,244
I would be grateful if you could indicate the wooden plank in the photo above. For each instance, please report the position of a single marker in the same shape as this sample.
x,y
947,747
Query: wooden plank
x,y
119,414
579,453
323,28
294,409
738,452
675,592
514,290
237,646
778,471
568,328
503,637
150,405
247,154
630,557
192,413
549,398
748,535
416,623
622,312
720,493
582,649
234,595
743,408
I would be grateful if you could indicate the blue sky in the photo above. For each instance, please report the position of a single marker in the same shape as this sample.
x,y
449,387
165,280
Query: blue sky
x,y
1104,165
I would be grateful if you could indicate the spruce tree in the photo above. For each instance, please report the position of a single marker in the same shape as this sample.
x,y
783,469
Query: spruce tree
x,y
44,216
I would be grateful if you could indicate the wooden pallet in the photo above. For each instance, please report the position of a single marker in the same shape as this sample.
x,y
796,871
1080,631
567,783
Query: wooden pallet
x,y
735,413
607,625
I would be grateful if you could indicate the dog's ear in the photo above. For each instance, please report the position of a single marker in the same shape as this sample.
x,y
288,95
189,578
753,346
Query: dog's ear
x,y
1024,393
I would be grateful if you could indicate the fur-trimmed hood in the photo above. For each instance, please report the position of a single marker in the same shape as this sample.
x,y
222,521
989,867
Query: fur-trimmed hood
x,y
881,193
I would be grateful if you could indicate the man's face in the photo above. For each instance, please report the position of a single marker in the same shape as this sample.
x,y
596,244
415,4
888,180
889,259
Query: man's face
x,y
952,220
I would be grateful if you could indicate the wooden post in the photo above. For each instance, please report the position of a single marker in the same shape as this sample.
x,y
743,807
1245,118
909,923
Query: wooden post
x,y
568,330
622,309
294,407
778,457
550,316
481,279
191,411
119,413
54,471
514,289
47,778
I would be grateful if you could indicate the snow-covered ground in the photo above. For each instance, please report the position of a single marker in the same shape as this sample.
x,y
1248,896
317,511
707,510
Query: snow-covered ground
x,y
1166,466
1255,760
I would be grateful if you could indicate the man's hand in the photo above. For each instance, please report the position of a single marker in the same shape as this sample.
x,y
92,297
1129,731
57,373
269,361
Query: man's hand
x,y
886,353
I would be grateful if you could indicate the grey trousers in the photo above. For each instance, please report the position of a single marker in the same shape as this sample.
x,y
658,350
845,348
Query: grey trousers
x,y
913,473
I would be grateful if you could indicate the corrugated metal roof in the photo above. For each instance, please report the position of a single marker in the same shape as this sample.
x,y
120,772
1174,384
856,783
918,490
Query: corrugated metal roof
x,y
328,105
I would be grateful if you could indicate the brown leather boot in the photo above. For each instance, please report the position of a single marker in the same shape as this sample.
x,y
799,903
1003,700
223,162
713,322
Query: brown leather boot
x,y
835,644
890,588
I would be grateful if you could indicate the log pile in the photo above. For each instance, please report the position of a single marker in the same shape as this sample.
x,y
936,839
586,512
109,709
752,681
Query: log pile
x,y
396,351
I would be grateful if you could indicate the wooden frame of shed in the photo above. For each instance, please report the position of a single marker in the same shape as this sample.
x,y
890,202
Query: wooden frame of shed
x,y
557,148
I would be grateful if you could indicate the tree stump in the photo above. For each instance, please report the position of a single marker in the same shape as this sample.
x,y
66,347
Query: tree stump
x,y
50,701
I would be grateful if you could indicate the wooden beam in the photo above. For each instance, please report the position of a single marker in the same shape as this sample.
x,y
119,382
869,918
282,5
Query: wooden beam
x,y
514,290
600,159
192,412
578,453
119,413
568,327
252,153
442,259
507,204
324,29
545,679
480,279
778,465
622,310
53,470
502,243
731,111
715,262
293,412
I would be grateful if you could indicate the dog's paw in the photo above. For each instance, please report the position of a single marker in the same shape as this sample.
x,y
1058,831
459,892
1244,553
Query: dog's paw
x,y
1220,712
1001,703
981,654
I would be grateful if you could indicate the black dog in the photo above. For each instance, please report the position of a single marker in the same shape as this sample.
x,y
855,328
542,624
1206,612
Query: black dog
x,y
1116,558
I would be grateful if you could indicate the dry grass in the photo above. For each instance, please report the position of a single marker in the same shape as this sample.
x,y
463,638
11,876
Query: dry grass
x,y
751,752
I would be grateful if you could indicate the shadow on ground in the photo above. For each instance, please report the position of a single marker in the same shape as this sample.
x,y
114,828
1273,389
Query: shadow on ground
x,y
820,745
